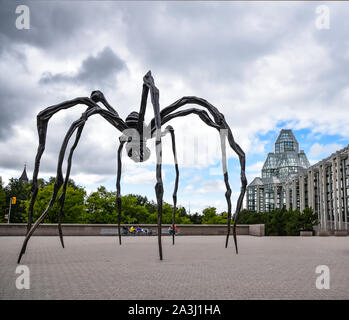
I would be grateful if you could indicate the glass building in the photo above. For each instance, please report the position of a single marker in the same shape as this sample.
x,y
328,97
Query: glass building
x,y
288,180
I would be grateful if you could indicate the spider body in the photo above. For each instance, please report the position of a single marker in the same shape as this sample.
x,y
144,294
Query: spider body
x,y
136,146
135,134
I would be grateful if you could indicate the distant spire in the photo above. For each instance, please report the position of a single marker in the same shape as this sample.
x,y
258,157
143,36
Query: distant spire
x,y
24,177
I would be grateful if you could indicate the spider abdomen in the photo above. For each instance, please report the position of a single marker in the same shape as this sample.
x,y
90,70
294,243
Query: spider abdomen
x,y
136,146
132,120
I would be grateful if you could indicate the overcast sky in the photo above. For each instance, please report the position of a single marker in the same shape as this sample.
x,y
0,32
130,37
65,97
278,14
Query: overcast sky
x,y
266,66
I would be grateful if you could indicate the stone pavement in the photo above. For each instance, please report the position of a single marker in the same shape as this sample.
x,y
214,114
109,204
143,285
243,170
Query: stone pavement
x,y
197,267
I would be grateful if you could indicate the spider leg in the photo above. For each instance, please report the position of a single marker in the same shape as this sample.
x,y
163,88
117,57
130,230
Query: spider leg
x,y
243,179
108,117
42,122
59,177
219,123
159,189
217,116
171,130
57,185
226,181
66,180
118,197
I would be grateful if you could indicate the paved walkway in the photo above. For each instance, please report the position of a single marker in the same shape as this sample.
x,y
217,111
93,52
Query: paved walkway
x,y
197,267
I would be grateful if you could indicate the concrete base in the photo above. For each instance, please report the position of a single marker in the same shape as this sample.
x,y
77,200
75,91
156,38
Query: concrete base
x,y
323,233
257,230
341,233
19,229
306,233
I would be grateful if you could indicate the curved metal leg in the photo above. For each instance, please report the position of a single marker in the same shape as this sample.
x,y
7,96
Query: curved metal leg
x,y
176,183
42,217
60,232
66,181
173,139
219,123
243,179
118,196
42,122
148,84
222,134
159,190
58,182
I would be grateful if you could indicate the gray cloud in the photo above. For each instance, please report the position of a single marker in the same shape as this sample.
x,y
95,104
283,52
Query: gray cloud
x,y
50,24
217,40
93,71
215,48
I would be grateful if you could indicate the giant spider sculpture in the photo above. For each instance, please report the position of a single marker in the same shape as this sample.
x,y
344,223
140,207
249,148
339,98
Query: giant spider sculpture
x,y
135,134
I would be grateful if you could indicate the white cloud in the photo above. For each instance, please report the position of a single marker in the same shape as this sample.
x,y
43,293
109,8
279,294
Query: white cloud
x,y
255,167
260,65
318,150
212,186
189,187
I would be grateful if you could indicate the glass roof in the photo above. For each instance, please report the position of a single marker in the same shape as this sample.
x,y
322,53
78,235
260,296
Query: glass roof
x,y
287,159
286,141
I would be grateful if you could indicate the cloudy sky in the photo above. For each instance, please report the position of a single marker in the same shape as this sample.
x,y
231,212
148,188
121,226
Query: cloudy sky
x,y
266,66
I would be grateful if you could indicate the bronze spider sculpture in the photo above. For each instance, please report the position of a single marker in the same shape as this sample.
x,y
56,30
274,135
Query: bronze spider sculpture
x,y
135,134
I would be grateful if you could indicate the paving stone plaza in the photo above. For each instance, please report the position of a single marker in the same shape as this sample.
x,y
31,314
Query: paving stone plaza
x,y
197,267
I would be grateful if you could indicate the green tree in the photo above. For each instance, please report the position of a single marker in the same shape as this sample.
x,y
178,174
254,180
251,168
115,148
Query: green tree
x,y
100,207
182,216
196,218
20,190
308,219
73,210
292,223
275,222
250,217
281,222
132,211
210,216
3,204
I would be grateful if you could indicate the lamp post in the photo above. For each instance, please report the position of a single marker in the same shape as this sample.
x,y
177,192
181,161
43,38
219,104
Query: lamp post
x,y
9,211
12,201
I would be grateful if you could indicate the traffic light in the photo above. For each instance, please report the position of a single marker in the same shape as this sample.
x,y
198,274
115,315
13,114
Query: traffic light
x,y
13,200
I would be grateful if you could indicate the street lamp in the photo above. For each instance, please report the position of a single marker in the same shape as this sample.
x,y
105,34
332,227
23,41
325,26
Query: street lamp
x,y
12,201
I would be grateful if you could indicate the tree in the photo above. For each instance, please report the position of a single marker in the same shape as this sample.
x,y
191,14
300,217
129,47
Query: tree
x,y
250,217
3,204
308,219
196,218
292,224
140,200
275,222
73,209
210,216
281,222
100,207
209,213
132,211
20,190
182,216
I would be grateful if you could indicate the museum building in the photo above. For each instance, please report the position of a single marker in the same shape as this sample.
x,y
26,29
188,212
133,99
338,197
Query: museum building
x,y
289,180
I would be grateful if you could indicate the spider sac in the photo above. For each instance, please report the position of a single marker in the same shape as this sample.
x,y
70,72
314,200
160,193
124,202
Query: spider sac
x,y
136,146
